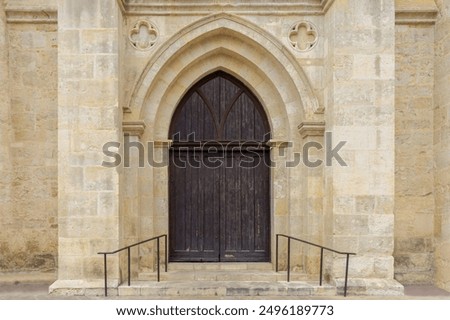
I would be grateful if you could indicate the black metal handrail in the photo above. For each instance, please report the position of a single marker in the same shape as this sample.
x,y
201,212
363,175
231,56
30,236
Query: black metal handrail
x,y
128,248
322,248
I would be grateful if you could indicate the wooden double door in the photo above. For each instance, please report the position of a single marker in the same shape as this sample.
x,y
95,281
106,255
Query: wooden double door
x,y
219,194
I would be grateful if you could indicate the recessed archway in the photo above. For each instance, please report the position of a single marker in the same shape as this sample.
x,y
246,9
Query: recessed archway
x,y
256,59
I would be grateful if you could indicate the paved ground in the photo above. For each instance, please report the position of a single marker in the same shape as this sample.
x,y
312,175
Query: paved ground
x,y
39,291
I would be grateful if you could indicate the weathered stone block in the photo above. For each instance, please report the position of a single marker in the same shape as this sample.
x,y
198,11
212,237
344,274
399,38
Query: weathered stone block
x,y
106,66
76,66
381,225
93,268
384,267
79,14
376,244
99,179
351,225
98,41
414,262
413,245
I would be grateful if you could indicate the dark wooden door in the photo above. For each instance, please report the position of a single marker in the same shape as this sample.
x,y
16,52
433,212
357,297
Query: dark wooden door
x,y
219,196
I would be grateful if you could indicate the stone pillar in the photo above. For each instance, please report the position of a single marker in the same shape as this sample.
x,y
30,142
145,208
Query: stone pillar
x,y
156,219
359,106
312,134
442,145
133,163
280,206
88,117
297,207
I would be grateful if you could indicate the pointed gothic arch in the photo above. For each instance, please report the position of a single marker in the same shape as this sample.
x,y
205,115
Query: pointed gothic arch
x,y
219,107
243,40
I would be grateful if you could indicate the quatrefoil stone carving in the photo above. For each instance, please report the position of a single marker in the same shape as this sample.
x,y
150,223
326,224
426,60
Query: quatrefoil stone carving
x,y
143,36
303,36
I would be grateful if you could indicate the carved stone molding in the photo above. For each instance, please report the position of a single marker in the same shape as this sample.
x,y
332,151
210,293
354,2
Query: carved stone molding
x,y
248,32
143,35
133,128
31,15
303,36
415,17
155,8
415,12
311,129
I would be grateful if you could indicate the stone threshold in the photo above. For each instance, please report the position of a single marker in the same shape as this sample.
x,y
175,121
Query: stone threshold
x,y
180,289
223,275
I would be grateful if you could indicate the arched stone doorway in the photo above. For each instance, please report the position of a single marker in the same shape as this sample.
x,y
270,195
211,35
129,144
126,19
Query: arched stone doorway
x,y
219,192
251,55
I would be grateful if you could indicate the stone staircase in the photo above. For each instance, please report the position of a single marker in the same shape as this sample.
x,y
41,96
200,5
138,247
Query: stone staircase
x,y
224,280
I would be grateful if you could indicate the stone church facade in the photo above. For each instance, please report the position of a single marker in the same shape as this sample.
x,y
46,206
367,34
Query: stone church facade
x,y
76,75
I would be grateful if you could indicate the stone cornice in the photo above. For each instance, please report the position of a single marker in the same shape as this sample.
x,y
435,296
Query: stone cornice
x,y
31,15
415,12
415,17
311,129
406,11
147,7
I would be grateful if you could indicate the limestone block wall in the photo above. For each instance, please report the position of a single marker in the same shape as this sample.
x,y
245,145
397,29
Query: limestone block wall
x,y
414,158
29,223
442,144
359,109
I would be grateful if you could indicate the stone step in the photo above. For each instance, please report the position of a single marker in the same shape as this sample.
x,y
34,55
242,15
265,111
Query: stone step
x,y
188,266
222,275
177,289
